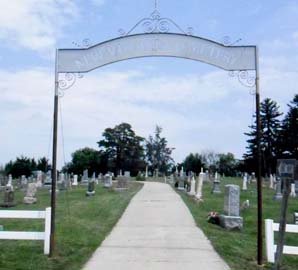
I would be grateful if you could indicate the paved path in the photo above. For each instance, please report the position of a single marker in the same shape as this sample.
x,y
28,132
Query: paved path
x,y
156,232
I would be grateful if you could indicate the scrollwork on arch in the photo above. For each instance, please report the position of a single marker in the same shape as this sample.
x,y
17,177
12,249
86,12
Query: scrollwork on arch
x,y
66,81
156,24
246,78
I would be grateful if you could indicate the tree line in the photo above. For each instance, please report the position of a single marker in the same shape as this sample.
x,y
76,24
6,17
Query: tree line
x,y
279,137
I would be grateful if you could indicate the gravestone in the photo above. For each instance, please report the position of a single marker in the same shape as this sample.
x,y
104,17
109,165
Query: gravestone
x,y
127,174
48,180
75,180
293,191
108,181
295,218
61,182
278,194
231,218
39,179
244,182
192,191
199,190
8,197
296,186
30,194
271,182
122,183
91,188
181,183
253,177
24,181
85,178
9,182
216,184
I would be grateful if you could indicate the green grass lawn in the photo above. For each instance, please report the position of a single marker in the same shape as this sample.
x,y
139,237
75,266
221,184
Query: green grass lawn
x,y
239,249
82,223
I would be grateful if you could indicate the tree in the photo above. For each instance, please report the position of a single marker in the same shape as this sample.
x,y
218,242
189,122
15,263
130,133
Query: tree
x,y
158,154
87,158
289,133
270,131
43,164
210,159
123,148
21,166
193,163
227,164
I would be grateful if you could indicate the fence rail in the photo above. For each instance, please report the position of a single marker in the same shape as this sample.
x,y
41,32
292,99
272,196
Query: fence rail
x,y
270,228
45,236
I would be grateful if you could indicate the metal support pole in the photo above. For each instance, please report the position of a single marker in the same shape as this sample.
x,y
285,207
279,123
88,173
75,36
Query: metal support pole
x,y
54,160
259,172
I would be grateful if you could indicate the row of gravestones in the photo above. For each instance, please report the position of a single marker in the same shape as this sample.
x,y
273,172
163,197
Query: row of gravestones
x,y
64,182
230,219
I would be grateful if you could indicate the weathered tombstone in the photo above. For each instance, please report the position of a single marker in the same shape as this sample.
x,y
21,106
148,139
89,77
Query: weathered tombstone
x,y
85,178
278,194
9,182
182,172
8,197
91,188
24,180
271,182
244,183
127,174
108,181
231,219
295,218
192,191
30,194
146,173
199,190
181,183
122,183
216,184
293,192
39,179
253,177
75,180
61,182
48,180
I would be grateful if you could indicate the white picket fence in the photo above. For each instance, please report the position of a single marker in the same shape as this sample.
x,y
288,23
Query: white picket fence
x,y
17,214
270,228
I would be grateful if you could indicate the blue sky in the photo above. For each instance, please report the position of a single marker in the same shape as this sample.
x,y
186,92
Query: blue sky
x,y
199,106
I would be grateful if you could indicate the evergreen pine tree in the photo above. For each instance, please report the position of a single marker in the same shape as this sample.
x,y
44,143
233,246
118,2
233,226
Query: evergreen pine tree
x,y
289,134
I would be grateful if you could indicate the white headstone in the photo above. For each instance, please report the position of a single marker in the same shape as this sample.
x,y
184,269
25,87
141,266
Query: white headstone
x,y
200,186
244,183
192,191
293,191
75,180
9,183
271,182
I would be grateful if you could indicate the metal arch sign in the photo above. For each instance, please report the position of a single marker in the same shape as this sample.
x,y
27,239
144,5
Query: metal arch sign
x,y
156,44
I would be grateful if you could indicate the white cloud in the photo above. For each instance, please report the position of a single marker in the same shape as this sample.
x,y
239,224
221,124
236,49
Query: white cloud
x,y
196,111
35,24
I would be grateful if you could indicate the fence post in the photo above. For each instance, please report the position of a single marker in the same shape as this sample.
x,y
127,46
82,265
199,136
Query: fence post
x,y
269,231
47,231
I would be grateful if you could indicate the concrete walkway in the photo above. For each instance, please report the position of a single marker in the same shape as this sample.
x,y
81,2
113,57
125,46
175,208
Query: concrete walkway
x,y
156,232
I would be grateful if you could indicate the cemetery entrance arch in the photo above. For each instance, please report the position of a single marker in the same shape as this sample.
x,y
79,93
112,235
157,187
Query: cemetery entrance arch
x,y
156,40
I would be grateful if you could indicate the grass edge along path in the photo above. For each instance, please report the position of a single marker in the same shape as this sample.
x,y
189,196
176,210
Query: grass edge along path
x,y
82,223
239,249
